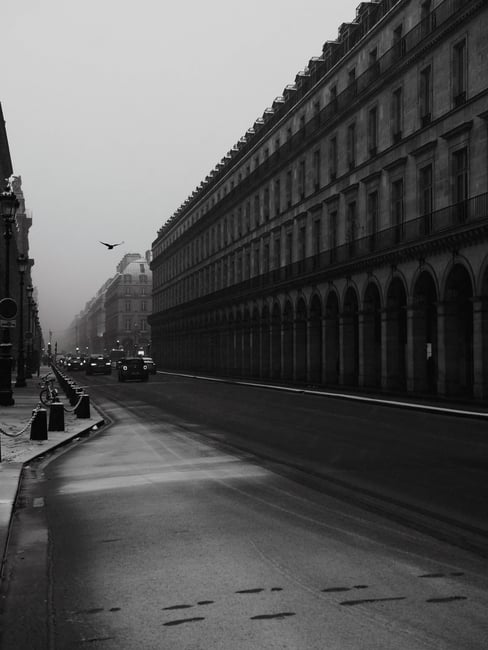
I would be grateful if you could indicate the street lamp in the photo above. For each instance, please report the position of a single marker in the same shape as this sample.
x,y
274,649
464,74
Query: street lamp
x,y
23,263
28,334
8,307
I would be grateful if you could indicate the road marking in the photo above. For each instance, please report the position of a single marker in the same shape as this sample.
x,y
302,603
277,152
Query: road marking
x,y
38,502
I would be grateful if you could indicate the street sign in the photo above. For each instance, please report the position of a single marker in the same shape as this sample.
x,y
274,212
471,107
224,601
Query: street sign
x,y
8,322
8,309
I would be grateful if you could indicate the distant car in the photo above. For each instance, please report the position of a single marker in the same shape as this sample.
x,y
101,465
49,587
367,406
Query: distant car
x,y
133,368
98,363
151,366
74,363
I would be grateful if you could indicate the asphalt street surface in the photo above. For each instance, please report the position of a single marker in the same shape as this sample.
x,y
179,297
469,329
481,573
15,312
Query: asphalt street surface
x,y
154,533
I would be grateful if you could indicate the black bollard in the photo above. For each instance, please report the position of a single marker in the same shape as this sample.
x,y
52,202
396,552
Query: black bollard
x,y
83,408
56,417
75,394
39,425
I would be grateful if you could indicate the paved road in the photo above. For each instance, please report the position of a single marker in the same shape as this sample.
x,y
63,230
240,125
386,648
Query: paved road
x,y
155,537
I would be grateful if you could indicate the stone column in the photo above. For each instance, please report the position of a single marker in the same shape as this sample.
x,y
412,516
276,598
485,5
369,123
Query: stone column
x,y
480,372
441,349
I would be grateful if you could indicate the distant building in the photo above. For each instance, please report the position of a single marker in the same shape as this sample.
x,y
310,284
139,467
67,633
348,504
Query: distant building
x,y
116,317
343,240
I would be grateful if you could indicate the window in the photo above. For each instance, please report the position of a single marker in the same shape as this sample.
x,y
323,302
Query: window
x,y
351,145
317,236
277,253
398,42
426,17
373,212
397,208
373,131
426,196
302,242
397,114
351,226
277,196
301,179
143,270
256,261
289,248
459,73
351,78
143,305
460,181
128,306
143,325
316,113
266,258
288,188
316,170
257,209
332,232
333,96
266,203
248,215
333,158
426,96
127,324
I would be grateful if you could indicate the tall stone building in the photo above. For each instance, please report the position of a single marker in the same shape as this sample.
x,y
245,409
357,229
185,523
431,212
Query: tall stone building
x,y
117,316
343,240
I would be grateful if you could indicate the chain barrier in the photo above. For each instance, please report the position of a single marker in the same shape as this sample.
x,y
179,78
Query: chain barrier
x,y
74,407
19,433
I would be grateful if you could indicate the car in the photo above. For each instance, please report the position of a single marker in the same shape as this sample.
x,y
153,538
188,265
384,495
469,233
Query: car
x,y
74,363
98,363
150,365
133,368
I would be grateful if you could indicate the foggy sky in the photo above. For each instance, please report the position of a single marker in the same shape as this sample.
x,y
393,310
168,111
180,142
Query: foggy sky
x,y
116,110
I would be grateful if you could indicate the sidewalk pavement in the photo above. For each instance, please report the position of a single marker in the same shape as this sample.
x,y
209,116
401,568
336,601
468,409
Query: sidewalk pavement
x,y
20,450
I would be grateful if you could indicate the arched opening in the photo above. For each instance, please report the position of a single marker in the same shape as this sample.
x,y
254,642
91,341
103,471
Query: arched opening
x,y
424,331
332,342
276,342
231,345
396,336
458,332
288,341
255,342
246,344
372,337
350,339
315,370
301,341
238,344
265,342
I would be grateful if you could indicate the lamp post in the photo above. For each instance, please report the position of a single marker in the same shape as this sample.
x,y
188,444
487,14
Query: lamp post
x,y
28,334
8,307
23,263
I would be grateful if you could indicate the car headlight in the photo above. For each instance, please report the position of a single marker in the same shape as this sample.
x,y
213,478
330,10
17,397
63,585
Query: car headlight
x,y
124,367
144,367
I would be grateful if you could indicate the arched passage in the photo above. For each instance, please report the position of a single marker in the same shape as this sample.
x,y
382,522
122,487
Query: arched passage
x,y
371,325
255,342
332,344
287,370
424,334
350,339
301,341
276,342
265,342
458,332
315,369
246,344
396,336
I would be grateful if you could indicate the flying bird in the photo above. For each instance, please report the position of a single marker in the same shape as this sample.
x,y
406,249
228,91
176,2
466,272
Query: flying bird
x,y
110,246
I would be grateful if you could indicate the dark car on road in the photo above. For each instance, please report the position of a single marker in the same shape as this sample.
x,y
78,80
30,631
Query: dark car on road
x,y
75,363
97,363
151,366
133,368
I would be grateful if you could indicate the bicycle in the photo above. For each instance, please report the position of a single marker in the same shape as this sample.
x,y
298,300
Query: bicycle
x,y
49,393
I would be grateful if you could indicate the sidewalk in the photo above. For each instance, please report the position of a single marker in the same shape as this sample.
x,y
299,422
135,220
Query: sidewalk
x,y
20,450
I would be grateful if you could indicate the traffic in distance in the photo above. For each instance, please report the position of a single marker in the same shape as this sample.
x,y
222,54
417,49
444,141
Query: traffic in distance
x,y
127,367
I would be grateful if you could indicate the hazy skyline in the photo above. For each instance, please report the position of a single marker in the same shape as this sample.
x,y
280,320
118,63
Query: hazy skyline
x,y
115,111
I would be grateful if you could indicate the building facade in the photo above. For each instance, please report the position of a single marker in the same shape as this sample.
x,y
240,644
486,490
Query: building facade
x,y
117,316
343,240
